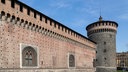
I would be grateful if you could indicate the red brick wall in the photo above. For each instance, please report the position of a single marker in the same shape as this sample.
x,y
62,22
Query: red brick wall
x,y
53,49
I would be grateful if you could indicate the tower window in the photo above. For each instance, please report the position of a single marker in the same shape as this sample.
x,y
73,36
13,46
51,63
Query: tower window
x,y
12,3
71,61
29,57
104,43
3,1
110,36
105,50
96,51
105,58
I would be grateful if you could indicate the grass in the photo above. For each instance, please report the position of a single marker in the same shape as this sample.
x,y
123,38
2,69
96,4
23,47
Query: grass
x,y
121,71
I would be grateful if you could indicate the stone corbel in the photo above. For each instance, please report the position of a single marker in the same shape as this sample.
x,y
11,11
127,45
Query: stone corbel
x,y
18,22
26,26
40,30
33,28
9,19
4,17
13,21
29,27
37,29
22,24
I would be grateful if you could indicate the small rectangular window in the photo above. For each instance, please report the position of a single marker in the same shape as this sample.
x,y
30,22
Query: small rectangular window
x,y
21,8
28,11
3,1
104,43
12,3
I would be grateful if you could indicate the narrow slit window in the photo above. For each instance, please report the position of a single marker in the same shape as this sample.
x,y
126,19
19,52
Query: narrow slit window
x,y
104,43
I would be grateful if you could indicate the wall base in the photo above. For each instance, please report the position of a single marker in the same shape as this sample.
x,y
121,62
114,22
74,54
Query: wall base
x,y
106,69
47,70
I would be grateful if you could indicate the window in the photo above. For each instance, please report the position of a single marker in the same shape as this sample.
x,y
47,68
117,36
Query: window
x,y
105,50
104,43
71,61
110,36
12,3
3,1
29,57
105,58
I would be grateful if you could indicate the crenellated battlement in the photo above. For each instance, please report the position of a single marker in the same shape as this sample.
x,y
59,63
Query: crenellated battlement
x,y
102,23
24,16
102,26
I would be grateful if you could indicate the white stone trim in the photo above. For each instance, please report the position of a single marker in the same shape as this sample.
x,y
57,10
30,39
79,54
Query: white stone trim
x,y
22,46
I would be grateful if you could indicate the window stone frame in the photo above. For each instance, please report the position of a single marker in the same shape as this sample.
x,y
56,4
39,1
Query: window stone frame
x,y
22,47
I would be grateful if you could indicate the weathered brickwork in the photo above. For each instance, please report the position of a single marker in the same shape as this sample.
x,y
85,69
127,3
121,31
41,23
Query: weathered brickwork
x,y
22,26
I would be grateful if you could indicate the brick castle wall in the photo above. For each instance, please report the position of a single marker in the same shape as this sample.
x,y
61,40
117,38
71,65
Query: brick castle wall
x,y
22,25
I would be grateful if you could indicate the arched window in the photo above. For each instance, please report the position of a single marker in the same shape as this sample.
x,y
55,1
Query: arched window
x,y
71,60
29,57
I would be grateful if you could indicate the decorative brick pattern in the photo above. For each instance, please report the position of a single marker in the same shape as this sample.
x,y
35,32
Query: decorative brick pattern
x,y
53,41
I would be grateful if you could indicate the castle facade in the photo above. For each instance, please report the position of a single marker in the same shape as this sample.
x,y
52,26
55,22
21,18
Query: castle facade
x,y
33,42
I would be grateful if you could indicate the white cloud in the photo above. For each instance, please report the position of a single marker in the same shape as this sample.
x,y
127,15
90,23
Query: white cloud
x,y
28,2
60,4
124,16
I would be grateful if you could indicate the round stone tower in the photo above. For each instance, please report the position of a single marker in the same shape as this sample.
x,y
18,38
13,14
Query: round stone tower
x,y
104,34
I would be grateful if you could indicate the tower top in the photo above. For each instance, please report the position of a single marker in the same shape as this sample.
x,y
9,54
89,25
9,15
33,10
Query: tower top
x,y
100,18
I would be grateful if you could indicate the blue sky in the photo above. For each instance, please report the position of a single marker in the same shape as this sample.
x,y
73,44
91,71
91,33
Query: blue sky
x,y
77,14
